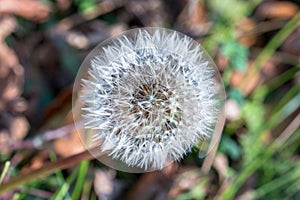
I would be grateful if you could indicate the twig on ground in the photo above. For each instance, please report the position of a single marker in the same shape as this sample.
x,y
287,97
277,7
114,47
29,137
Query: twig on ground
x,y
41,139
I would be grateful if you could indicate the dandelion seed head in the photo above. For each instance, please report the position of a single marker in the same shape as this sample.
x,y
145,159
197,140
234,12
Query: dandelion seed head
x,y
149,96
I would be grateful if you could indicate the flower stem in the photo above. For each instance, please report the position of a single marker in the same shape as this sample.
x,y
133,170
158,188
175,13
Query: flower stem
x,y
46,170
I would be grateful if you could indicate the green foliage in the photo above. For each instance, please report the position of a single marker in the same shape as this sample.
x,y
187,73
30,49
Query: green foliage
x,y
62,192
236,95
229,147
229,10
237,54
225,15
253,114
85,5
83,168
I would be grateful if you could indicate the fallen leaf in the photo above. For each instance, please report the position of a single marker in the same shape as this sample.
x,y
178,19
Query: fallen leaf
x,y
277,9
68,145
244,30
193,18
19,128
30,9
238,80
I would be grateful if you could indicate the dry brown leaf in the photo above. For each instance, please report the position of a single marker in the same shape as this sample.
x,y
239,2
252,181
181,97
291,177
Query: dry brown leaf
x,y
238,78
19,128
244,28
251,84
30,9
69,145
14,126
193,18
11,91
193,14
13,130
277,9
8,25
11,72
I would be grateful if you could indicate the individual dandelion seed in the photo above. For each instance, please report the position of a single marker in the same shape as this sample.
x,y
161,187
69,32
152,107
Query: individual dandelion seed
x,y
147,97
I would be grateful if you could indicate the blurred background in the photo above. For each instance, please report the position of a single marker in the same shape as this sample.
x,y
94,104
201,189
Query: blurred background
x,y
256,46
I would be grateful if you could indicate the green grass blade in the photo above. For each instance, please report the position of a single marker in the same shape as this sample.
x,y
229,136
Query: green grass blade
x,y
63,191
289,177
83,168
59,176
276,41
4,171
282,78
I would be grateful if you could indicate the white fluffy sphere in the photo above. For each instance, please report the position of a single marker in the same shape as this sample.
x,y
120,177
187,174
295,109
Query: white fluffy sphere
x,y
147,97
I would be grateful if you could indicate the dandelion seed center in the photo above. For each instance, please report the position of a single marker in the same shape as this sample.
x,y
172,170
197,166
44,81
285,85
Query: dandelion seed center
x,y
151,105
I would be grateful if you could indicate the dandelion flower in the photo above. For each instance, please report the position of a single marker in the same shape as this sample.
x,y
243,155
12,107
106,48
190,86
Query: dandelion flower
x,y
147,97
